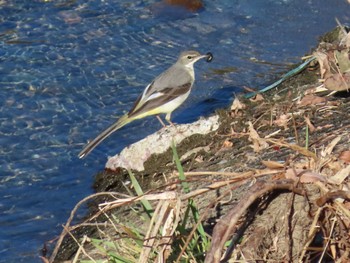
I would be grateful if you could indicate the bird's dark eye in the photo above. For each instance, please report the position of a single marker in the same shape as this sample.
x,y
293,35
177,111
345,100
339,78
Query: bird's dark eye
x,y
189,57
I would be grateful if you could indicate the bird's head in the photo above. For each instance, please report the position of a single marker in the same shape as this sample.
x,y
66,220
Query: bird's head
x,y
188,58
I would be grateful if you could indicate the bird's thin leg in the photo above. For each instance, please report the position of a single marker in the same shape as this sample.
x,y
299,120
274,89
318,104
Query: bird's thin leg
x,y
160,120
167,118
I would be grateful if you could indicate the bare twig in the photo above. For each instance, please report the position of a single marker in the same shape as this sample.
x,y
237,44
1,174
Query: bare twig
x,y
218,184
81,248
329,239
224,227
312,231
72,214
294,147
330,196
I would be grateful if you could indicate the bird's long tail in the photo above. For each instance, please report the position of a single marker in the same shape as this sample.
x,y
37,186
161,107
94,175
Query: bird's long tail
x,y
103,135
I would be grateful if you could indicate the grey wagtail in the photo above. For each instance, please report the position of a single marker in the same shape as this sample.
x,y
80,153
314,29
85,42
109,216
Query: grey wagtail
x,y
163,95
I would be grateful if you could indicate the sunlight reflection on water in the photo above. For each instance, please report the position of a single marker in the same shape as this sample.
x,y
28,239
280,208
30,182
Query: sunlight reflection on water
x,y
69,68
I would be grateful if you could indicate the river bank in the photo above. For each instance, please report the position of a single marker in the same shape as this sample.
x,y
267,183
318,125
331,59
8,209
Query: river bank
x,y
267,178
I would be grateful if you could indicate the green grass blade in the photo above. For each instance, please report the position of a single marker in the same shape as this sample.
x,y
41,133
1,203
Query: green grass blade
x,y
180,169
191,205
145,203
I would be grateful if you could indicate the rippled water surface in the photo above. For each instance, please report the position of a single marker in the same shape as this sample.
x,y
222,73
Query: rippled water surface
x,y
69,68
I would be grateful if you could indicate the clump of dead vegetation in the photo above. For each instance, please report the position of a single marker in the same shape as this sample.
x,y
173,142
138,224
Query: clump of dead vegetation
x,y
273,185
334,62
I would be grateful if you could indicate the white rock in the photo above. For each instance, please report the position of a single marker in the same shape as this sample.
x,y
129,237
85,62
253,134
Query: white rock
x,y
134,156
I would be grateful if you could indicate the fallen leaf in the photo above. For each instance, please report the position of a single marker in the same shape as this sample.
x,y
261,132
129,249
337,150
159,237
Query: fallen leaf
x,y
342,57
199,159
338,81
273,164
347,204
311,100
309,124
258,143
237,105
334,165
323,61
257,97
340,176
282,121
329,149
304,176
227,144
345,156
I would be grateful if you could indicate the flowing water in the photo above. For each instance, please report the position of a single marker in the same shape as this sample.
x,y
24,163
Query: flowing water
x,y
68,69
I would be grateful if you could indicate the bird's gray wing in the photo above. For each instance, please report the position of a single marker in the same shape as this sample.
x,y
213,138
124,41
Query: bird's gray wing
x,y
161,89
175,76
158,99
